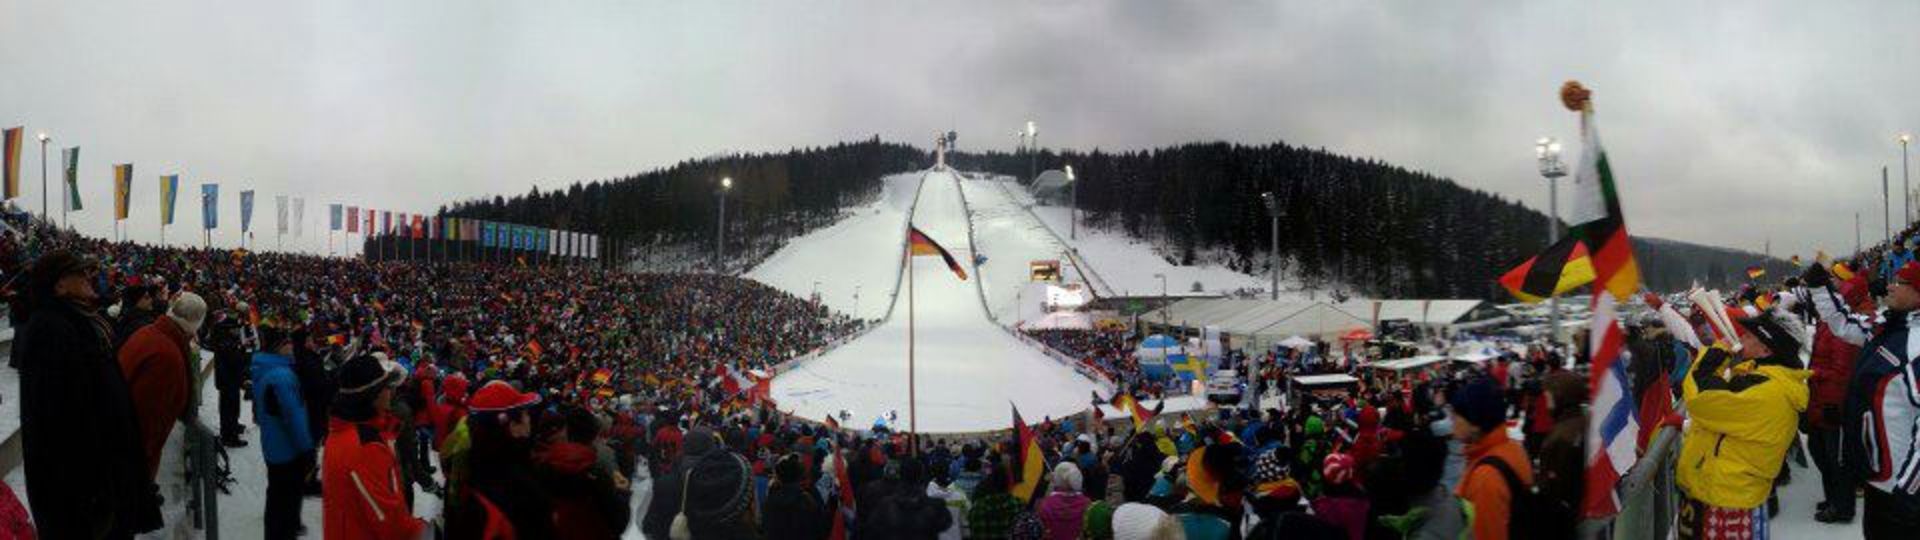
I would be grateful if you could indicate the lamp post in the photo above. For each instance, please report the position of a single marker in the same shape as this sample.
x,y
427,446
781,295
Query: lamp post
x,y
720,240
1547,151
44,138
1033,152
1904,139
1073,202
1165,319
1273,242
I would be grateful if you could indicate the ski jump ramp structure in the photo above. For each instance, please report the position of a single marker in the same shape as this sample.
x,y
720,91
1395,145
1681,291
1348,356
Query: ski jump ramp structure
x,y
970,370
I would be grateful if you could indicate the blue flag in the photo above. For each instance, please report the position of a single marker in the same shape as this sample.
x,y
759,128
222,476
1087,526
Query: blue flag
x,y
246,210
210,206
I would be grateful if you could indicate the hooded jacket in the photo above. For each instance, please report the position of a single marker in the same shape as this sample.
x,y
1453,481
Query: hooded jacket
x,y
1739,427
584,506
1486,488
278,409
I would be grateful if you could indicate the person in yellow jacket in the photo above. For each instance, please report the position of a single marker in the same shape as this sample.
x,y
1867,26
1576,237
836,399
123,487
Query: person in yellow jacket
x,y
1741,416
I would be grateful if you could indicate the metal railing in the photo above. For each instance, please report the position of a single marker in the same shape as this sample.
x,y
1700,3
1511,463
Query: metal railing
x,y
203,507
1647,495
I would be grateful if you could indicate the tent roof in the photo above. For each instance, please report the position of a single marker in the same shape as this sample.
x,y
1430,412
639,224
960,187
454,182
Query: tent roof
x,y
1336,378
1417,311
1273,319
1403,364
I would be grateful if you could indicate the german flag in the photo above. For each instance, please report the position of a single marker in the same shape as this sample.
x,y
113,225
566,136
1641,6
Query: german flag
x,y
10,161
1028,466
1756,272
1564,266
919,245
1126,403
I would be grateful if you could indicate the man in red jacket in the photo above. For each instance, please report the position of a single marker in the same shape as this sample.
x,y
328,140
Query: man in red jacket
x,y
360,479
154,360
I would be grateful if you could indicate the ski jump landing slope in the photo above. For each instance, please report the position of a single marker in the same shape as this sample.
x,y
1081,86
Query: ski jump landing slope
x,y
968,369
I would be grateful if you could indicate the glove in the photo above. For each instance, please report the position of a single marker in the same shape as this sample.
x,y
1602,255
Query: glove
x,y
1816,276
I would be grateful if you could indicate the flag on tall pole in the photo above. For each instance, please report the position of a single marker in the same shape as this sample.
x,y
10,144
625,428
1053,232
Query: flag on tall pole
x,y
919,244
72,159
299,216
122,190
1563,267
10,169
333,217
353,219
280,214
1612,430
169,194
210,206
246,211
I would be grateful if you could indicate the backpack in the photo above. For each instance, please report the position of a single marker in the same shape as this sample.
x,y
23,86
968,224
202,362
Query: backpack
x,y
1527,512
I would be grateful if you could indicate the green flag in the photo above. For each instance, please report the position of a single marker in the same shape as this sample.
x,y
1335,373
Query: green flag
x,y
73,178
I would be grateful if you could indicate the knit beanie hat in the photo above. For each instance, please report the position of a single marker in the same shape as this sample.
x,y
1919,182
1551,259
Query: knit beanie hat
x,y
1138,521
188,310
1066,477
1479,403
719,488
1097,523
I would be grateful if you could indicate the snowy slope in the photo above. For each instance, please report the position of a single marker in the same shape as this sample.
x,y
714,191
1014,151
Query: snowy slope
x,y
1128,265
858,255
967,367
1010,238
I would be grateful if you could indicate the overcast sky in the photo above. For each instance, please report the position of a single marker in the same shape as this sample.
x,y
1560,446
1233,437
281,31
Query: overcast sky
x,y
1728,124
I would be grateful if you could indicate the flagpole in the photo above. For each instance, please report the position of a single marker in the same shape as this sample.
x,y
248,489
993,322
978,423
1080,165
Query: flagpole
x,y
913,405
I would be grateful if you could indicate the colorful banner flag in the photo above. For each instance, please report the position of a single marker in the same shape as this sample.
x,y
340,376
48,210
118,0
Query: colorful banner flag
x,y
299,216
369,225
122,190
209,206
10,169
919,244
353,219
72,158
169,194
386,222
1563,267
1756,272
419,229
280,214
486,234
1612,429
246,211
333,217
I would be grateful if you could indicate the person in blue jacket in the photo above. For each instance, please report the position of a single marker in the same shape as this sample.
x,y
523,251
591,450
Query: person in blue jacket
x,y
281,414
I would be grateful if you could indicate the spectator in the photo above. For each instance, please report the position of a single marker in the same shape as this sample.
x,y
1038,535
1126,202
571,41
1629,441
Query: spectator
x,y
155,363
1062,510
1742,416
85,471
587,503
1562,477
1480,423
361,473
501,493
285,442
226,338
792,511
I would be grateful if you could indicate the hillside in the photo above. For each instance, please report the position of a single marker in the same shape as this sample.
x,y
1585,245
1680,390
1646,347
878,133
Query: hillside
x,y
1357,225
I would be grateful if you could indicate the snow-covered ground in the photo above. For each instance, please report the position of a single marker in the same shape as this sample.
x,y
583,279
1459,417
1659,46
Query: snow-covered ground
x,y
967,368
1011,239
1128,265
854,262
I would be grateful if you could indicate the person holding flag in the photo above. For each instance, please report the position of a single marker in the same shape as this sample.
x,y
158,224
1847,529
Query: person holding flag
x,y
1743,408
1878,443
